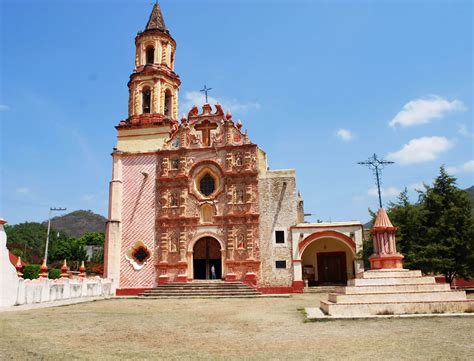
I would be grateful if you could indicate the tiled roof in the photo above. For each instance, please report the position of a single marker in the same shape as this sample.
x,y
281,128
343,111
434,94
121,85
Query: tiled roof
x,y
156,21
382,220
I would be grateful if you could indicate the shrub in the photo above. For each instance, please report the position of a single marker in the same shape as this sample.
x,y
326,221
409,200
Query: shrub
x,y
31,271
54,273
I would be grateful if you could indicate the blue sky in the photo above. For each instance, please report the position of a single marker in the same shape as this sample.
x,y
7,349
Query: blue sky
x,y
320,85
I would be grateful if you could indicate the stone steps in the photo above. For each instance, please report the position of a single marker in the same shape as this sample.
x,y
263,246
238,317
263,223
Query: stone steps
x,y
437,287
322,289
390,273
395,308
371,298
202,289
379,281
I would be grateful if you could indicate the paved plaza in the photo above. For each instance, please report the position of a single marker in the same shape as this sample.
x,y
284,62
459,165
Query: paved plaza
x,y
267,328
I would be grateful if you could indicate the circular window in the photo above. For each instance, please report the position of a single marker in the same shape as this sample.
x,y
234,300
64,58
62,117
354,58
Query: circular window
x,y
207,185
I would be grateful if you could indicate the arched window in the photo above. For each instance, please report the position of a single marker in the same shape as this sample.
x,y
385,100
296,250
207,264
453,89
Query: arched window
x,y
146,100
168,103
150,55
207,185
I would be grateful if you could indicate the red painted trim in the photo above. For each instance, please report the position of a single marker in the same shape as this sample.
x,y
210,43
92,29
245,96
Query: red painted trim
x,y
331,234
296,288
130,291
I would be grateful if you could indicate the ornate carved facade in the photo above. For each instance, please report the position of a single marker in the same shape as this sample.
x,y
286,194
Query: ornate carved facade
x,y
190,195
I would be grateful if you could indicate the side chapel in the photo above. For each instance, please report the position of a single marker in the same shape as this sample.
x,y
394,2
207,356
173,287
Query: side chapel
x,y
193,193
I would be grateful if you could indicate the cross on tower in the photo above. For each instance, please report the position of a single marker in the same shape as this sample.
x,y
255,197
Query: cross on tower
x,y
376,165
205,90
205,127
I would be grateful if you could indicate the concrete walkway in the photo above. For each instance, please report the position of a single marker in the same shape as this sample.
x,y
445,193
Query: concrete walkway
x,y
315,314
33,306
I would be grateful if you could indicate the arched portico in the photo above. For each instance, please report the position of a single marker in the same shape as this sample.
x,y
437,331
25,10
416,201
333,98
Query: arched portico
x,y
326,257
203,251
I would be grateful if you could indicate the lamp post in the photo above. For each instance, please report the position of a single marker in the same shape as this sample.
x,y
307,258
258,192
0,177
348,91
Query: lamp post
x,y
51,209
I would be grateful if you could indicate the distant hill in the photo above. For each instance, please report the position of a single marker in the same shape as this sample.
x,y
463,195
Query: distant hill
x,y
76,223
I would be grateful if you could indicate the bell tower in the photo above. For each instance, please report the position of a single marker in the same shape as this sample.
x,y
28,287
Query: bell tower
x,y
153,85
153,88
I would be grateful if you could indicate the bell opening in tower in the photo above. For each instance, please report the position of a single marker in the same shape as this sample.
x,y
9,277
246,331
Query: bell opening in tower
x,y
150,55
168,98
146,100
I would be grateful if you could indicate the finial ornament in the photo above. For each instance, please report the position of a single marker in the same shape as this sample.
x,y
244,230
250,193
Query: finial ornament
x,y
376,165
19,267
64,270
44,269
82,270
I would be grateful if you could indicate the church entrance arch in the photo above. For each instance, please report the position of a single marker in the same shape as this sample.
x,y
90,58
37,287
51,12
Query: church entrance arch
x,y
207,253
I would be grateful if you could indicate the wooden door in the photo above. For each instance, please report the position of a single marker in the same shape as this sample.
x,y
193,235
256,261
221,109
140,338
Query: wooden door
x,y
332,268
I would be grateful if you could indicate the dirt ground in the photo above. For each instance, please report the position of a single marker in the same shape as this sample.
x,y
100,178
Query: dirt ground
x,y
198,329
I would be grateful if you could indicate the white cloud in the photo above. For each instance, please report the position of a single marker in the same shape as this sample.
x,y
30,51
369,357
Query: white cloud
x,y
197,98
420,150
424,110
23,190
344,134
462,129
4,107
88,197
467,167
416,186
386,192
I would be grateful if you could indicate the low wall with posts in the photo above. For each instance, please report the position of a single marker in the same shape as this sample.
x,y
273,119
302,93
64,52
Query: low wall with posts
x,y
48,290
14,290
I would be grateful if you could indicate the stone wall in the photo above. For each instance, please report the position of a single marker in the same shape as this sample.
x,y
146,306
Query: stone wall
x,y
278,212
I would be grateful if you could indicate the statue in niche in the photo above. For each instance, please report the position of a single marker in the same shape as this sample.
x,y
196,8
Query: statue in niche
x,y
174,243
240,241
239,196
238,160
174,200
175,163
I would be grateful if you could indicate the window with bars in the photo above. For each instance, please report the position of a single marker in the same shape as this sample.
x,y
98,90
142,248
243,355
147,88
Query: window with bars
x,y
207,185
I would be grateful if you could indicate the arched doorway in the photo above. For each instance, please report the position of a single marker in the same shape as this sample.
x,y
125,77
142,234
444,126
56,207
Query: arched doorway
x,y
327,258
207,253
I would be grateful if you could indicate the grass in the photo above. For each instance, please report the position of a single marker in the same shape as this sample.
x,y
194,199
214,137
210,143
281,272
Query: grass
x,y
197,329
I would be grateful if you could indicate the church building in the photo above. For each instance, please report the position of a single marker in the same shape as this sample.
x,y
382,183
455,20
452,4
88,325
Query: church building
x,y
194,198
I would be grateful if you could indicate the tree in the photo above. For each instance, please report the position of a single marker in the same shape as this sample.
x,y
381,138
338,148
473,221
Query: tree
x,y
407,218
93,239
447,245
70,249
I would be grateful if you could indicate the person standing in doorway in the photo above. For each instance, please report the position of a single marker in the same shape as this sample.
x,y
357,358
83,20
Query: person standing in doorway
x,y
213,272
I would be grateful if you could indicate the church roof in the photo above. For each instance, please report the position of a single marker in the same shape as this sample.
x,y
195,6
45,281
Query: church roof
x,y
156,21
382,220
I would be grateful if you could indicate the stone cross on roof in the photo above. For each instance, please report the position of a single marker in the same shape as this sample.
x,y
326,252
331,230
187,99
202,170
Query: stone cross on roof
x,y
205,127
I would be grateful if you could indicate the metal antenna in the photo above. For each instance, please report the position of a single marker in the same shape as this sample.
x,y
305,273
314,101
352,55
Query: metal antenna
x,y
205,90
49,228
376,165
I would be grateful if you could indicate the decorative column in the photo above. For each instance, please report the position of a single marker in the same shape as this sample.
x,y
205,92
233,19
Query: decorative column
x,y
385,254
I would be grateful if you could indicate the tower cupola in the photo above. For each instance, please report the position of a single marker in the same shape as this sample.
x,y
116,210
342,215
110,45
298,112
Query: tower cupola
x,y
153,85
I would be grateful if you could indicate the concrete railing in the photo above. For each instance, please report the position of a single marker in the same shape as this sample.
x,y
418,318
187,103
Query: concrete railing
x,y
47,290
